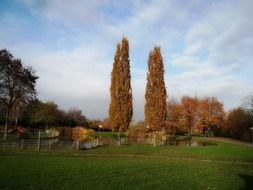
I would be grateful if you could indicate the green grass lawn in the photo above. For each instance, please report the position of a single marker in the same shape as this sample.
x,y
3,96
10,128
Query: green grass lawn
x,y
223,166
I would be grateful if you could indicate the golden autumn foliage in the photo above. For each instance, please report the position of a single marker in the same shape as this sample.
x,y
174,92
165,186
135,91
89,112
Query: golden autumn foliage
x,y
211,114
189,113
81,133
121,108
174,115
155,106
76,133
195,113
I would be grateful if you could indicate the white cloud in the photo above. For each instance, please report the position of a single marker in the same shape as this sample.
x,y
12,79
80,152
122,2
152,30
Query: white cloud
x,y
78,78
68,13
185,60
224,34
151,23
193,48
209,46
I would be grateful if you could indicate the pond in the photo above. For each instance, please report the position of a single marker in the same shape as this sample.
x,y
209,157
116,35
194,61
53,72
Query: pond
x,y
92,142
105,141
188,142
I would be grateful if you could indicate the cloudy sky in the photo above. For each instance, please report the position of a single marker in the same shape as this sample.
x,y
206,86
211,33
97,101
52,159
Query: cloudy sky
x,y
207,47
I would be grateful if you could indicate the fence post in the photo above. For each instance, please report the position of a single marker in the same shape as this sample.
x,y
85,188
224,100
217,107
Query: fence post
x,y
49,144
77,145
22,144
154,140
38,148
3,145
96,144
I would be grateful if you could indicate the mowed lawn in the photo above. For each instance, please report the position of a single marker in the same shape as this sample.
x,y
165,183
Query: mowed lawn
x,y
223,166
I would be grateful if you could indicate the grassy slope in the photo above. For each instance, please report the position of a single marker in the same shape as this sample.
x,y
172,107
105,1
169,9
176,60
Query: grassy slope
x,y
71,170
221,151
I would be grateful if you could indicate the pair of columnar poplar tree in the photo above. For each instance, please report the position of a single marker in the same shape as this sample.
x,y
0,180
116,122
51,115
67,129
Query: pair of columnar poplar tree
x,y
121,105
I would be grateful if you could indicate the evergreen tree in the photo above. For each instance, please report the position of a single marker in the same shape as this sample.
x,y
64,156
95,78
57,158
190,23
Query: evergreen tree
x,y
121,108
155,107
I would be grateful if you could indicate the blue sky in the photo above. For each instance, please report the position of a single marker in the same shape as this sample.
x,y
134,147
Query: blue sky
x,y
207,47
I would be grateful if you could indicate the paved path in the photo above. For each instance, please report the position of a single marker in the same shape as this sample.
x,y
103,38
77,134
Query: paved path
x,y
230,140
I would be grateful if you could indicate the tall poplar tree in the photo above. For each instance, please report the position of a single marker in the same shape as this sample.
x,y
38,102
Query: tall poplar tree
x,y
155,107
114,108
121,106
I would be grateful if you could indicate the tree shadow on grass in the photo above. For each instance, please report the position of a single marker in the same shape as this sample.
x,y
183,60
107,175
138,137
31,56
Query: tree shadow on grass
x,y
248,182
95,147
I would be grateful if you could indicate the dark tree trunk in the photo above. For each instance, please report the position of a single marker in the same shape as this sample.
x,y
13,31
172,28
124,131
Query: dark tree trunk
x,y
6,123
119,136
190,135
16,119
16,122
